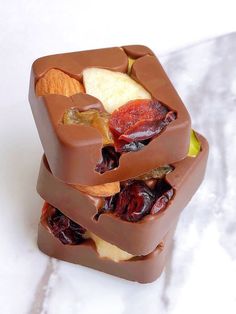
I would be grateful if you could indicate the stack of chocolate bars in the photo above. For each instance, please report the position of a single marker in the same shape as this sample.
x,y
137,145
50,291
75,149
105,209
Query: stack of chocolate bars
x,y
121,160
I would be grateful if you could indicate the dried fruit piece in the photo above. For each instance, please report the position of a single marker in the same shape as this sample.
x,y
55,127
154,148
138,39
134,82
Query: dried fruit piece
x,y
164,193
62,227
137,200
130,64
74,116
138,121
58,82
110,160
108,206
92,117
133,202
134,116
133,112
194,146
162,201
108,250
100,122
102,190
113,89
69,232
156,173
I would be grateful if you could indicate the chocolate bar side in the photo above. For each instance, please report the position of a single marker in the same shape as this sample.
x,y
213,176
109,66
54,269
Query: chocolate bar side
x,y
141,269
148,232
73,151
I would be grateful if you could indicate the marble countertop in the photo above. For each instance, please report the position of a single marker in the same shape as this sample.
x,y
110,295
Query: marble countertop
x,y
201,274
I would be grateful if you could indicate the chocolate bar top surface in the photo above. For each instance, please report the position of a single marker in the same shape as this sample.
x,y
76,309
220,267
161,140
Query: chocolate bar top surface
x,y
74,63
73,151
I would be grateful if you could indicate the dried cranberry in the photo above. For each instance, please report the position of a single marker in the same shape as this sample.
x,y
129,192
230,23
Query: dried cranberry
x,y
109,205
62,227
142,130
137,121
126,117
110,159
137,200
161,187
132,203
162,202
56,221
164,192
133,126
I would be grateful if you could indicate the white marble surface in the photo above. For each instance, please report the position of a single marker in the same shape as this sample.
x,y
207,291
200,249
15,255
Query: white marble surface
x,y
201,276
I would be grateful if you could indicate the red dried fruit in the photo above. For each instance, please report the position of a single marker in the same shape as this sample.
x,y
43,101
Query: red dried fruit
x,y
135,111
137,200
110,159
137,121
142,130
108,205
62,227
162,201
134,201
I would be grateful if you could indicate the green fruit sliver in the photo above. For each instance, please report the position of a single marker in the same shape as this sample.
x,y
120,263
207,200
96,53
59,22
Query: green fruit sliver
x,y
194,146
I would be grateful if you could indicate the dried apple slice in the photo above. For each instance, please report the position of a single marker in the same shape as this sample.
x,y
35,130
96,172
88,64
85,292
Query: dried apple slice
x,y
113,89
108,250
194,146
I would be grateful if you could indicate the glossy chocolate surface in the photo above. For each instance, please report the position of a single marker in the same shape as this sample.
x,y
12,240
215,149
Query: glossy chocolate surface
x,y
139,238
73,151
142,269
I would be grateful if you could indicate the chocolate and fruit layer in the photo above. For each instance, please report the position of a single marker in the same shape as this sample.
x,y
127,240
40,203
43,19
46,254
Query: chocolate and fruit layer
x,y
71,233
64,239
134,214
107,115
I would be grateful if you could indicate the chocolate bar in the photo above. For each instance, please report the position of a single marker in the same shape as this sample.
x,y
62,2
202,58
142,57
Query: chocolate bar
x,y
137,238
71,247
86,132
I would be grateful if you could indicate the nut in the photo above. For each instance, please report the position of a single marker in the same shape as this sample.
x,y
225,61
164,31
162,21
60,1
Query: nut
x,y
58,82
102,190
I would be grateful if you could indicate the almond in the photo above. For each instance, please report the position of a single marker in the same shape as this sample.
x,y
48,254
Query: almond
x,y
102,190
58,82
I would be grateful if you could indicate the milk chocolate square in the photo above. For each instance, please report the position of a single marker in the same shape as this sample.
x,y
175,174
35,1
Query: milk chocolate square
x,y
76,151
142,269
